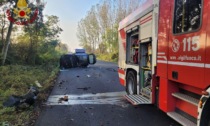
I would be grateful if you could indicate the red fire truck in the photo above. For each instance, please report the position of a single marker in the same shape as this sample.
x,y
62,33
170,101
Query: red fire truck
x,y
164,58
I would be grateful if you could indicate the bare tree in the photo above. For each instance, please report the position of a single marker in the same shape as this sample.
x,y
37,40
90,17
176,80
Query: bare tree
x,y
99,28
3,27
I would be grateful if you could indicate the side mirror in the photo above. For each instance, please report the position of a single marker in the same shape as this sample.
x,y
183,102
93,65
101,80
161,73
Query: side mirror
x,y
92,58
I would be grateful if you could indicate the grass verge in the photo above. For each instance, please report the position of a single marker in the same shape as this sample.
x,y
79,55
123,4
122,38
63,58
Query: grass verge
x,y
15,80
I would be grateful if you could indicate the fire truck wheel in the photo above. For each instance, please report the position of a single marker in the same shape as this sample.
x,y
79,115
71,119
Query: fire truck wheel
x,y
131,84
205,120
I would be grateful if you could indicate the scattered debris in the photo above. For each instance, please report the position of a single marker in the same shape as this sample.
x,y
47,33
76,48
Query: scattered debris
x,y
38,84
27,99
97,74
111,69
90,107
65,98
125,105
88,75
61,82
85,88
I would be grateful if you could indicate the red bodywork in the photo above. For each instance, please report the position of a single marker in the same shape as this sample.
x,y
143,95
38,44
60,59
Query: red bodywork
x,y
183,60
190,63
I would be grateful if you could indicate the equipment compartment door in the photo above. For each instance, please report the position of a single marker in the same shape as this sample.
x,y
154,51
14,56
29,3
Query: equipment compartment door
x,y
187,42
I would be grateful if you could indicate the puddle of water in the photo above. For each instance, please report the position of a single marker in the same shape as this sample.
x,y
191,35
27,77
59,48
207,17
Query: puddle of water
x,y
64,70
113,98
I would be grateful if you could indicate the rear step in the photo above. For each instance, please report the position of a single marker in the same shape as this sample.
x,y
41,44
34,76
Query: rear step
x,y
186,98
137,99
181,119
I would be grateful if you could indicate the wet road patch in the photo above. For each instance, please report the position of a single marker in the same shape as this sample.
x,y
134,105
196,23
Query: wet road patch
x,y
113,98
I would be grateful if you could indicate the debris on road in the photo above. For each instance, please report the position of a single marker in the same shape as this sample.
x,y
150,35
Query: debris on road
x,y
61,82
85,88
65,98
88,75
111,69
90,107
97,74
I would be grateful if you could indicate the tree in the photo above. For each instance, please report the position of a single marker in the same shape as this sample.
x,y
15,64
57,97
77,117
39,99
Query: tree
x,y
3,27
81,34
89,31
39,35
51,28
37,43
99,29
8,36
7,43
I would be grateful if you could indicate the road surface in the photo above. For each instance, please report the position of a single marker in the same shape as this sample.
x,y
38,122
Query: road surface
x,y
95,98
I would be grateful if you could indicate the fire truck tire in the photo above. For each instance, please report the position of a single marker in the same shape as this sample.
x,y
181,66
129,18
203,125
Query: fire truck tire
x,y
205,120
131,83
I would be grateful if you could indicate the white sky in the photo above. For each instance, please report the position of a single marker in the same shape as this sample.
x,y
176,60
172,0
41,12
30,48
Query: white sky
x,y
70,12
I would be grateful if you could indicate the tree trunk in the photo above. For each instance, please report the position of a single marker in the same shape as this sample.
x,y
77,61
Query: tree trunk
x,y
7,42
2,33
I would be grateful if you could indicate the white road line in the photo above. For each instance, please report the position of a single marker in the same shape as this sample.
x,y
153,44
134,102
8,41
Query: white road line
x,y
115,98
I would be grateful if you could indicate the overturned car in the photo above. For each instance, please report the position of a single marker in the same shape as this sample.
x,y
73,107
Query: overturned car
x,y
78,59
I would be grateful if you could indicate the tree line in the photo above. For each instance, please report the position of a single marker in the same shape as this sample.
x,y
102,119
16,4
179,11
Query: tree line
x,y
98,30
31,44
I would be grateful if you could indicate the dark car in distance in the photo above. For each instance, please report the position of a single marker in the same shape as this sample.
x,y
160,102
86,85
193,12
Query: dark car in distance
x,y
78,59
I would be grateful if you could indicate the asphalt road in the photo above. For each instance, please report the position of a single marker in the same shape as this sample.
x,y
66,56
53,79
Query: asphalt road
x,y
95,98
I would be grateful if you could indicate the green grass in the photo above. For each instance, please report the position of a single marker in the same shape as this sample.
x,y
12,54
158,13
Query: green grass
x,y
15,80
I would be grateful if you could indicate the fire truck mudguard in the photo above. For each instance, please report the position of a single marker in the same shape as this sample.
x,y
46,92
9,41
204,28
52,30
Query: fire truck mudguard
x,y
205,116
204,109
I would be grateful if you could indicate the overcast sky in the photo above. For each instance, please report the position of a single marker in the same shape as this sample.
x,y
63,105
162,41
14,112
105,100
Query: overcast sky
x,y
69,12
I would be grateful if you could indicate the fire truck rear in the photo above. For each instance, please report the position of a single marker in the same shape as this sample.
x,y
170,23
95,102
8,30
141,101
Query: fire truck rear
x,y
163,58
